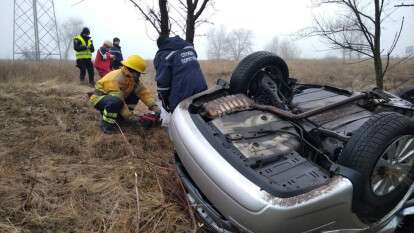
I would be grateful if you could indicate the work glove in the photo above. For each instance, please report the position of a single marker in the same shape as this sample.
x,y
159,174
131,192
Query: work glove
x,y
149,120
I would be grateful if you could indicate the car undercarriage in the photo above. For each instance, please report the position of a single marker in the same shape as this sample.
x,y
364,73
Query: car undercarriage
x,y
306,150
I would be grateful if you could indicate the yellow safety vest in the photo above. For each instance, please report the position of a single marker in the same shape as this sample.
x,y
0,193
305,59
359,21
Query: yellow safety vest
x,y
84,54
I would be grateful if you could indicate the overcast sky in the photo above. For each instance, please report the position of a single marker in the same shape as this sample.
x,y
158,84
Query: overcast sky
x,y
266,18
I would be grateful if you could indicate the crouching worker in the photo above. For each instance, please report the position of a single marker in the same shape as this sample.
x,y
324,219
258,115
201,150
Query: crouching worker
x,y
118,92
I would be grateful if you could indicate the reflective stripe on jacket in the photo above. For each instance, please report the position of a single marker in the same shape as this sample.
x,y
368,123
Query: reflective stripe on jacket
x,y
117,83
178,73
83,54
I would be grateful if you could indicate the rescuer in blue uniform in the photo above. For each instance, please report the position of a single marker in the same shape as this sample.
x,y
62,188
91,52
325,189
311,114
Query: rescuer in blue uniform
x,y
178,73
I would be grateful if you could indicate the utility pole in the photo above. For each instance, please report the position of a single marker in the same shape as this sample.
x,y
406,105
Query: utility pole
x,y
35,32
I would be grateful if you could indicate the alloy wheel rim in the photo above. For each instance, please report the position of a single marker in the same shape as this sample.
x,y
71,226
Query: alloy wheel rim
x,y
393,166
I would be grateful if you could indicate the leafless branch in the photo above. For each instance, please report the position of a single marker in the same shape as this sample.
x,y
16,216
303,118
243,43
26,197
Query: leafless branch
x,y
182,4
147,17
200,11
78,2
184,16
393,46
401,61
359,61
360,31
179,11
404,5
178,24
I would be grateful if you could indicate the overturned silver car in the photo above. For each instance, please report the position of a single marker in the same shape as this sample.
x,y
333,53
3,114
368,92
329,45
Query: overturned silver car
x,y
264,153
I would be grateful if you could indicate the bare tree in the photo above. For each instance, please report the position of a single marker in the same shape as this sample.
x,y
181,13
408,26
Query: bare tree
x,y
67,31
358,39
273,45
217,45
284,48
194,11
167,16
157,17
288,50
240,43
366,18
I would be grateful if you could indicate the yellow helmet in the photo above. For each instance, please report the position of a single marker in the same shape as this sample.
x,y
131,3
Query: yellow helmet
x,y
136,63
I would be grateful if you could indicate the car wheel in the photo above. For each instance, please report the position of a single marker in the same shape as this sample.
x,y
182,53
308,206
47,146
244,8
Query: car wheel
x,y
263,76
406,93
382,151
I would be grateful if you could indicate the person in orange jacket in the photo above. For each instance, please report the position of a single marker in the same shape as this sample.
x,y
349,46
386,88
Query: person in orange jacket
x,y
103,59
118,92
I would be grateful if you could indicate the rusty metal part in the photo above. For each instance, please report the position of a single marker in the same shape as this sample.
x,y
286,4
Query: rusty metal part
x,y
310,113
227,104
240,102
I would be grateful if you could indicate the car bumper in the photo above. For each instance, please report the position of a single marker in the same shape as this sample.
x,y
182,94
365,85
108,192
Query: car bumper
x,y
243,205
205,210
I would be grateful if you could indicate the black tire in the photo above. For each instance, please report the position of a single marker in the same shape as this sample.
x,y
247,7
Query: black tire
x,y
247,71
407,225
362,152
406,93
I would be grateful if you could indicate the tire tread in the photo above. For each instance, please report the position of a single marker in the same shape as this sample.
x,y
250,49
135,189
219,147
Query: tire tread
x,y
363,149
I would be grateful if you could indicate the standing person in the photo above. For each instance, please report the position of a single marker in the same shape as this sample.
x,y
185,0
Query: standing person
x,y
118,92
178,73
116,51
83,51
103,59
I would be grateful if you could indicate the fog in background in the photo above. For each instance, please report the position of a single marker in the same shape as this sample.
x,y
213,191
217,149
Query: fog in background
x,y
110,18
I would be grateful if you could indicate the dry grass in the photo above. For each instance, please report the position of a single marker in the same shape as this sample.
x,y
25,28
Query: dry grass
x,y
59,173
351,75
356,76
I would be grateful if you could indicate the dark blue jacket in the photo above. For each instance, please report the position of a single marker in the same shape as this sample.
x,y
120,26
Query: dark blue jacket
x,y
116,63
178,73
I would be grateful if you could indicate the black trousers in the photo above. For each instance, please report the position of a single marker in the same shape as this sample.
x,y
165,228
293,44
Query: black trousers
x,y
110,107
85,65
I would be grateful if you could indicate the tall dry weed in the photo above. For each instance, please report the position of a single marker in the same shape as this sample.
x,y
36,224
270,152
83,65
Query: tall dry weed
x,y
59,173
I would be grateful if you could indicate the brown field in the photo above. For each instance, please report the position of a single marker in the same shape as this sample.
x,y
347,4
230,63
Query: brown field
x,y
59,173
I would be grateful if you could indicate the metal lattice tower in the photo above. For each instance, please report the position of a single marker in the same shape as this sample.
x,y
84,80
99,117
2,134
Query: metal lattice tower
x,y
35,33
